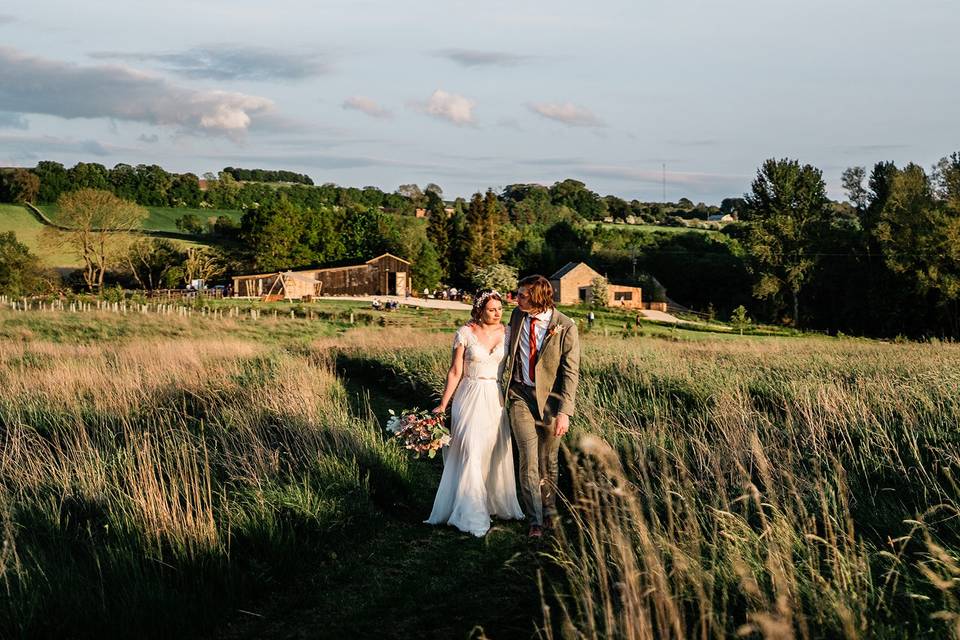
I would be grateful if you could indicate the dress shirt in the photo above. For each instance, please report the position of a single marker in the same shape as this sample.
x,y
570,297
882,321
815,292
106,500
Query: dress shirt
x,y
523,348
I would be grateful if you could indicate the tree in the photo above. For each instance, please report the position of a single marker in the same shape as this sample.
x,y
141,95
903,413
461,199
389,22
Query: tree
x,y
201,264
275,236
457,253
599,292
785,209
739,319
438,230
20,271
100,227
852,180
19,185
184,191
151,260
881,180
475,235
153,183
123,181
731,206
190,223
222,192
407,237
574,194
500,277
225,227
919,235
946,181
434,189
53,180
493,219
412,192
87,175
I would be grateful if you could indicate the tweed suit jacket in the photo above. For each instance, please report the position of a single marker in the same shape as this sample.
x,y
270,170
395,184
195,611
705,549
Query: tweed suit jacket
x,y
558,363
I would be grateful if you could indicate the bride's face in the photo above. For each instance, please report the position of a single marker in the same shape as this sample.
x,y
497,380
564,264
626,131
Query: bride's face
x,y
492,312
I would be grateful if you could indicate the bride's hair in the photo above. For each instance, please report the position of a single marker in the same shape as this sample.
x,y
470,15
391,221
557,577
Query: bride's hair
x,y
480,300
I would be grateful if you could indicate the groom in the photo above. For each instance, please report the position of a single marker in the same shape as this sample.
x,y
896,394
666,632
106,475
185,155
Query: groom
x,y
544,370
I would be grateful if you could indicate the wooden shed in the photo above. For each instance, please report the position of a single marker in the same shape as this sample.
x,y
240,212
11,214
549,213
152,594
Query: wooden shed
x,y
384,275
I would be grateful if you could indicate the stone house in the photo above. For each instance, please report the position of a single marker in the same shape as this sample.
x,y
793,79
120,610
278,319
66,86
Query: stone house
x,y
572,285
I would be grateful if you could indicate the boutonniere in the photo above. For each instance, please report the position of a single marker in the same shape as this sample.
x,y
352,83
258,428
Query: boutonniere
x,y
552,332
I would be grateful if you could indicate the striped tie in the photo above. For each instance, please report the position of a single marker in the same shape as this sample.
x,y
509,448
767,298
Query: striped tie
x,y
533,350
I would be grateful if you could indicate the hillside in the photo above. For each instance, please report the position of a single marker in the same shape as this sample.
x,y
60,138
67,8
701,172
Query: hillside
x,y
164,218
29,231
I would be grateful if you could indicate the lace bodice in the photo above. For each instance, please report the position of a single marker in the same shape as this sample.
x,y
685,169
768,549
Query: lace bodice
x,y
478,361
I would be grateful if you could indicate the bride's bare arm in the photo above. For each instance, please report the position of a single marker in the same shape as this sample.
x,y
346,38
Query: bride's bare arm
x,y
453,378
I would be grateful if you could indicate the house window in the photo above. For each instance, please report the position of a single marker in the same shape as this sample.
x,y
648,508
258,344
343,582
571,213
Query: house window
x,y
623,295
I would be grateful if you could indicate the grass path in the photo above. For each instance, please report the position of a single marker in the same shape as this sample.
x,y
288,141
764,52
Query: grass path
x,y
400,578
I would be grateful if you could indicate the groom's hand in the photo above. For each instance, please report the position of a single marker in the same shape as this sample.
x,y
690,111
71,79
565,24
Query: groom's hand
x,y
562,425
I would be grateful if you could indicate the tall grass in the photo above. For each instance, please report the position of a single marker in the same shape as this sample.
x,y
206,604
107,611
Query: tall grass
x,y
775,488
146,485
778,489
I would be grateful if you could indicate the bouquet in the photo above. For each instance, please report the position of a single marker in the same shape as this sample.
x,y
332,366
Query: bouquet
x,y
419,431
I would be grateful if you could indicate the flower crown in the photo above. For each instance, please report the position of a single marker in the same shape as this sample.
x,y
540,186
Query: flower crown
x,y
483,297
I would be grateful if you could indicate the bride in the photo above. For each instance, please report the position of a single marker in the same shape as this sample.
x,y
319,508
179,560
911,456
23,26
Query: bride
x,y
477,479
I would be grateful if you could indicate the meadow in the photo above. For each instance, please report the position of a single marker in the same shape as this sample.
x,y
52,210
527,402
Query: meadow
x,y
219,476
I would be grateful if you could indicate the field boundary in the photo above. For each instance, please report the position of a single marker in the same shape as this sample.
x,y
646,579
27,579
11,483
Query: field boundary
x,y
153,233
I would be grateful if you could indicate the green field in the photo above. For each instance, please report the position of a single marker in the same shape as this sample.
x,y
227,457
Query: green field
x,y
165,218
29,231
183,475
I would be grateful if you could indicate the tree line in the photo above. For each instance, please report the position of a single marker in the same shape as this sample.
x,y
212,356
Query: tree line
x,y
884,262
266,175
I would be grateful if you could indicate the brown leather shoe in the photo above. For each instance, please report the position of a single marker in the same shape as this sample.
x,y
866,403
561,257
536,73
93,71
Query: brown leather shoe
x,y
535,531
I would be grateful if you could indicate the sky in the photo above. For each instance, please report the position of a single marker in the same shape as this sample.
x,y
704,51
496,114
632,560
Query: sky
x,y
477,95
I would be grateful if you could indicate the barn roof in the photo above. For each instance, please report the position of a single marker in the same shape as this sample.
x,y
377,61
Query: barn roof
x,y
567,268
387,255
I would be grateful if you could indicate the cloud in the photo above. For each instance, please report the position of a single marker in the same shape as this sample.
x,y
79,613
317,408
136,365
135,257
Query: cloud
x,y
30,84
6,19
367,106
448,106
229,62
13,121
477,58
566,113
31,145
149,139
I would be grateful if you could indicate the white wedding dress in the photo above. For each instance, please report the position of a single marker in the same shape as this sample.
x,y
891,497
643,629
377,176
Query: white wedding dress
x,y
477,480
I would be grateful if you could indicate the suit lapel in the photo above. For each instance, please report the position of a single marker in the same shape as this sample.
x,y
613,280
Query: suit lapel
x,y
516,325
551,331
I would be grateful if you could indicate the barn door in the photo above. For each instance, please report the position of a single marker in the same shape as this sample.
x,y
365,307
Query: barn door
x,y
401,284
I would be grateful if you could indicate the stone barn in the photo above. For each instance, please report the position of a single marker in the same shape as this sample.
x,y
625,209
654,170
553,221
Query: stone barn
x,y
380,276
572,285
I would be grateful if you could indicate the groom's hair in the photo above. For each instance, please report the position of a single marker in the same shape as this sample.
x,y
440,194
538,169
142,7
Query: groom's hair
x,y
540,291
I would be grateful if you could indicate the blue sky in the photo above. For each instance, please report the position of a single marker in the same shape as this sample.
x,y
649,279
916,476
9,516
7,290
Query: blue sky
x,y
477,95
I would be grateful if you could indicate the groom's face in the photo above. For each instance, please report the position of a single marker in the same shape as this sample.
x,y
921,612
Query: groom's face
x,y
523,300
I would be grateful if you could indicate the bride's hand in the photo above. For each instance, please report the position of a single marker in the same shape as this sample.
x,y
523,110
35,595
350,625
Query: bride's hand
x,y
439,411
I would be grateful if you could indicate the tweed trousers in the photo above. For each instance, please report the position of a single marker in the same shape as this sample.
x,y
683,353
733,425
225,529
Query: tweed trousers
x,y
538,448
